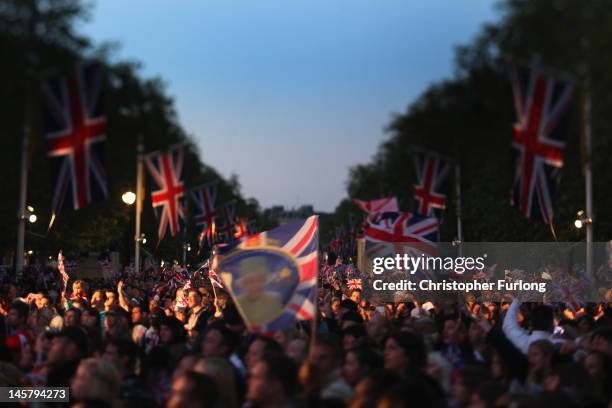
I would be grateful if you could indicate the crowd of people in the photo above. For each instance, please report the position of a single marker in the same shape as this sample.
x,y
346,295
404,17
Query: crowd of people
x,y
128,344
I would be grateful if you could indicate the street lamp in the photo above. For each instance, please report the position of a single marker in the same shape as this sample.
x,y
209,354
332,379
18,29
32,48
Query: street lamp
x,y
128,197
582,220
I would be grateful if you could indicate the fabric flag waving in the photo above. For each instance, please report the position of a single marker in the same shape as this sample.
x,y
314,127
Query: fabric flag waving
x,y
226,228
380,205
539,139
204,198
272,276
431,172
75,133
404,231
166,170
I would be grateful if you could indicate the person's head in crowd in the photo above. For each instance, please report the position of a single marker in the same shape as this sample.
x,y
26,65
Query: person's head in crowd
x,y
573,380
542,318
79,289
486,395
122,354
98,300
335,306
193,390
352,336
68,346
378,328
260,346
585,324
297,350
281,337
326,354
171,331
601,340
194,299
110,299
439,369
72,317
42,302
186,364
138,314
405,354
90,318
224,376
95,379
359,363
218,341
355,296
540,356
451,330
467,380
272,381
350,318
17,315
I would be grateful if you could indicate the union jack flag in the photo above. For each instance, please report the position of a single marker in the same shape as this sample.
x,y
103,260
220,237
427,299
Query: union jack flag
x,y
381,205
226,229
431,172
204,198
165,170
354,284
539,139
405,232
272,276
75,132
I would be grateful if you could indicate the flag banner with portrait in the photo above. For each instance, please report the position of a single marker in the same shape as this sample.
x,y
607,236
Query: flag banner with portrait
x,y
272,276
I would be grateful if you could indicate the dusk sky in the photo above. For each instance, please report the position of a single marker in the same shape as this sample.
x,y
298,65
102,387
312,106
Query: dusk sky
x,y
290,94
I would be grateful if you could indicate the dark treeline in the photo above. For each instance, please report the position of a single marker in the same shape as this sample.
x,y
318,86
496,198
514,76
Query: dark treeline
x,y
38,39
470,116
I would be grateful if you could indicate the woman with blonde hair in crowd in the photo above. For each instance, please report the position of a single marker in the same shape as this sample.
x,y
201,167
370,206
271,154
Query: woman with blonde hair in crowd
x,y
97,380
223,374
540,361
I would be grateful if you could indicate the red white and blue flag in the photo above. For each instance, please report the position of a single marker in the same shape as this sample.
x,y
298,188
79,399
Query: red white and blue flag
x,y
272,276
539,140
75,133
204,198
226,228
402,232
432,173
381,205
166,172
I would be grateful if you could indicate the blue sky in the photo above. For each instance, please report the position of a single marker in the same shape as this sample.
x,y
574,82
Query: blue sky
x,y
290,94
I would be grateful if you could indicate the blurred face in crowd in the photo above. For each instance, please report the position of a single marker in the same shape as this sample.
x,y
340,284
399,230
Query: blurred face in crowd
x,y
323,357
193,299
352,370
475,333
98,299
62,350
33,318
335,306
497,368
460,392
594,365
255,353
450,331
261,389
42,302
72,318
13,319
349,341
111,319
602,345
136,314
537,360
88,319
376,327
212,345
356,296
165,334
297,350
395,357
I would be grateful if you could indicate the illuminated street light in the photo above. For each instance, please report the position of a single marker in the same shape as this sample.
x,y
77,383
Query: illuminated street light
x,y
32,218
128,197
582,220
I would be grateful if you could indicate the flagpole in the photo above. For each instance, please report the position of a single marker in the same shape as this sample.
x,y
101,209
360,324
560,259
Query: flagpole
x,y
458,204
21,215
588,179
139,197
